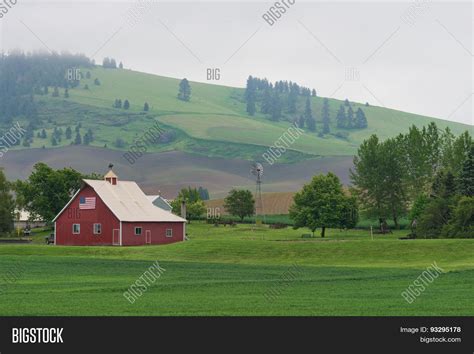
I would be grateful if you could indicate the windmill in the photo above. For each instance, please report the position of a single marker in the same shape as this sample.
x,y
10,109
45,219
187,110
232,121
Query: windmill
x,y
257,171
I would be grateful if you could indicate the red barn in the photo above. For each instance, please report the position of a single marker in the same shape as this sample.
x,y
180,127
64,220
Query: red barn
x,y
118,213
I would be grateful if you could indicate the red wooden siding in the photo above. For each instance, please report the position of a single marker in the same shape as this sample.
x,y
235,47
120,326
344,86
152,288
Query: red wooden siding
x,y
157,232
104,216
86,218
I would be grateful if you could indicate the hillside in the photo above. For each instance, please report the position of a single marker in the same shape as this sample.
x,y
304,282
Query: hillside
x,y
214,123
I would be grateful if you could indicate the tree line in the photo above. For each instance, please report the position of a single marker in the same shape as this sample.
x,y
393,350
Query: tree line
x,y
24,75
280,101
425,174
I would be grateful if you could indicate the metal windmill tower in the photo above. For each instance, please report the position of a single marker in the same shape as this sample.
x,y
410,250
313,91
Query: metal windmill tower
x,y
257,171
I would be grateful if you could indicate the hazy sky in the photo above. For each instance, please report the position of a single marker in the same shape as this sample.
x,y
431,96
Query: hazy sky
x,y
414,56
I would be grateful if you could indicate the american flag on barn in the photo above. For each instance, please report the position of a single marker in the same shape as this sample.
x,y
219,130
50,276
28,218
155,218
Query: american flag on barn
x,y
87,203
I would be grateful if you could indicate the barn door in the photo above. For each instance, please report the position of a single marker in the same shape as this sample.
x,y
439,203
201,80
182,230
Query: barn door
x,y
116,237
148,237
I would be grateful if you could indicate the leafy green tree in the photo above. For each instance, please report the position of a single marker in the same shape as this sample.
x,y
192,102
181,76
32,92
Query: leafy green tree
x,y
96,82
46,191
240,203
7,206
43,134
184,93
195,207
126,104
378,177
320,204
54,142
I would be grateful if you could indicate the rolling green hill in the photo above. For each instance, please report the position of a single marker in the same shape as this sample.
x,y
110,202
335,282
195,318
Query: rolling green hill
x,y
214,123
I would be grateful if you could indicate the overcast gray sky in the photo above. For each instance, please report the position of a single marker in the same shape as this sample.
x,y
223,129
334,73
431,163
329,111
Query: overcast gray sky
x,y
414,56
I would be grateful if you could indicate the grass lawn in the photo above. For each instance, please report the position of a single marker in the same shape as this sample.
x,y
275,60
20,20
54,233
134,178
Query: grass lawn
x,y
228,271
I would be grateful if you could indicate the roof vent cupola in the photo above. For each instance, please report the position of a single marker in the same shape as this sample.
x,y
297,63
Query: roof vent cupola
x,y
110,176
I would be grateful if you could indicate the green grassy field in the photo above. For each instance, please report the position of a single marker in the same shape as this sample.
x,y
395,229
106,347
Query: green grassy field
x,y
228,271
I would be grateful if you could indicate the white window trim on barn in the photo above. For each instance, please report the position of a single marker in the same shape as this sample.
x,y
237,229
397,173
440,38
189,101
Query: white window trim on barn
x,y
169,232
138,228
78,229
97,229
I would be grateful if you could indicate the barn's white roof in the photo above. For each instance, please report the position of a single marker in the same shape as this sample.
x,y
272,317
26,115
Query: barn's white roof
x,y
128,202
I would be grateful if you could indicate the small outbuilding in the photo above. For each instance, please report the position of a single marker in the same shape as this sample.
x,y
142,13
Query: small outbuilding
x,y
113,212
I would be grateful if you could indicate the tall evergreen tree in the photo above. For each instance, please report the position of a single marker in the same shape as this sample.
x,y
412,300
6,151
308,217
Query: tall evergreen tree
x,y
56,92
251,109
308,115
325,116
78,139
68,133
146,107
341,119
301,120
267,101
466,178
184,93
350,118
292,100
360,120
275,107
126,104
